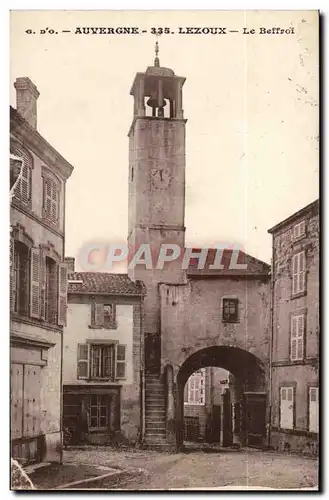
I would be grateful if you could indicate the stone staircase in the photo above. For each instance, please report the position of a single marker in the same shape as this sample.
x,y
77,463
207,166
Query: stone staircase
x,y
155,413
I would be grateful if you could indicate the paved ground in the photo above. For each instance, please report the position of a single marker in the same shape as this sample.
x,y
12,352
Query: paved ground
x,y
246,468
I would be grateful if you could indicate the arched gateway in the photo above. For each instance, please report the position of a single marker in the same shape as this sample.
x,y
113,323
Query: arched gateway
x,y
249,396
214,310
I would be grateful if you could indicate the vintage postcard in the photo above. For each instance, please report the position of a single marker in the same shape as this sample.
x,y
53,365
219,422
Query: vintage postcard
x,y
164,250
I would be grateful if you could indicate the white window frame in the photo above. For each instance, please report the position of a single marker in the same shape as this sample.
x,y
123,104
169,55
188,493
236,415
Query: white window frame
x,y
98,407
297,334
299,230
298,272
196,388
311,426
287,391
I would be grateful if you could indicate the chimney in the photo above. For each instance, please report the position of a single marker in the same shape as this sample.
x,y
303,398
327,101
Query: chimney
x,y
26,100
70,262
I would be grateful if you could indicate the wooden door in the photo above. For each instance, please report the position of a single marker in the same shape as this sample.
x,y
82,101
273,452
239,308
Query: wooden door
x,y
255,418
32,385
16,393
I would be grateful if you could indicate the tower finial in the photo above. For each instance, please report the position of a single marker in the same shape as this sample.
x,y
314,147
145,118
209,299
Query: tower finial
x,y
156,60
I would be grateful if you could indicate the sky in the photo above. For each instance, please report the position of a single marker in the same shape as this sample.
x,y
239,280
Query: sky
x,y
251,101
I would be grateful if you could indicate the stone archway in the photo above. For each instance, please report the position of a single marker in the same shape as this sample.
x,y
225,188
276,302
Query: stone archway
x,y
247,369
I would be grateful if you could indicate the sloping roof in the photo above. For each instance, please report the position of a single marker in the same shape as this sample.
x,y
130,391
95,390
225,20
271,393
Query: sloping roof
x,y
104,283
311,207
254,267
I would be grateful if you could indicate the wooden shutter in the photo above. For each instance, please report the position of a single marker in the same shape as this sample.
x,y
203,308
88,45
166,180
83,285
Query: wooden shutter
x,y
83,361
99,315
43,271
54,202
300,337
16,393
47,200
301,286
35,284
295,262
24,183
286,407
313,409
120,364
293,339
62,294
12,275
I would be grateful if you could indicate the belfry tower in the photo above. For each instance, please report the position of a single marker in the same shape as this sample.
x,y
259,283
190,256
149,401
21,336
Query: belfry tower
x,y
156,186
156,212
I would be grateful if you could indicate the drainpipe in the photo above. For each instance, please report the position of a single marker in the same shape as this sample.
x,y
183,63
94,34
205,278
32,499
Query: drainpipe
x,y
271,342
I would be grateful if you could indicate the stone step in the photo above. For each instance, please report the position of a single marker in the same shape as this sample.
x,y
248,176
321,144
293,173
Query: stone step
x,y
158,398
155,426
155,438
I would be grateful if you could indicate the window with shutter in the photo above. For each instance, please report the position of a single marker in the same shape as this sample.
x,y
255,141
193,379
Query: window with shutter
x,y
120,366
35,284
21,271
313,409
102,361
298,273
23,189
299,230
297,337
109,316
62,294
287,407
83,361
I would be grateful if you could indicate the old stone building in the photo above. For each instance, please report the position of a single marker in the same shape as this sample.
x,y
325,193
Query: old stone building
x,y
38,281
203,404
103,358
193,318
295,329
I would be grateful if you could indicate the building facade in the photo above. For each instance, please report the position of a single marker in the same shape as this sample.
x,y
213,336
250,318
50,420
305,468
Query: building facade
x,y
38,280
103,359
203,404
295,332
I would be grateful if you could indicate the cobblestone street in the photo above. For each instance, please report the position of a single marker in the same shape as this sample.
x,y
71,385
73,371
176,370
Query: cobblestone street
x,y
244,468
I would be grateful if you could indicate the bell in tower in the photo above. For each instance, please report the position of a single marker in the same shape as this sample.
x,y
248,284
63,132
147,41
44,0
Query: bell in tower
x,y
155,89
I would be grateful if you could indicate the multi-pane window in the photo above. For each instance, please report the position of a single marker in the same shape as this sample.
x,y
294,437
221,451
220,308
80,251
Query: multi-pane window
x,y
299,230
313,409
230,310
98,412
51,199
103,316
297,337
196,388
21,271
298,273
287,407
102,361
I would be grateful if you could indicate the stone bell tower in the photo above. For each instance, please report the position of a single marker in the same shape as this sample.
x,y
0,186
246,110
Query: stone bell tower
x,y
156,186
